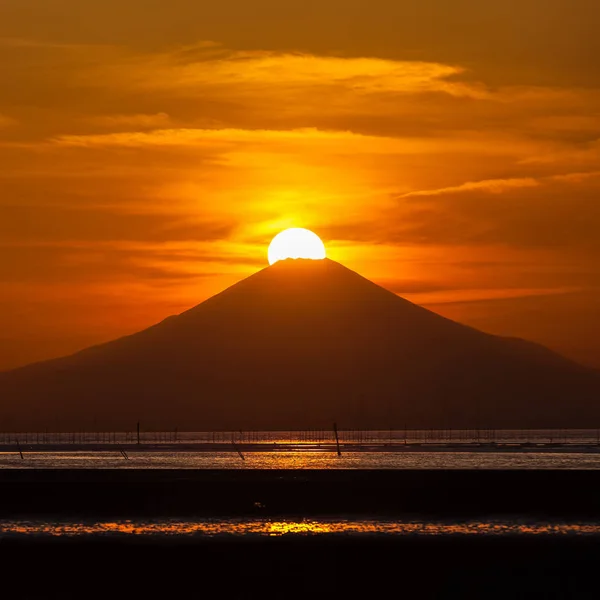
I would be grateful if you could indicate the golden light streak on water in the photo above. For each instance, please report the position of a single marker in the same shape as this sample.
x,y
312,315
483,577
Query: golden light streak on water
x,y
280,528
300,460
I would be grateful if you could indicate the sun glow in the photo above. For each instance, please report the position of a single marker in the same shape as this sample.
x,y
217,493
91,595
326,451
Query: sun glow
x,y
296,243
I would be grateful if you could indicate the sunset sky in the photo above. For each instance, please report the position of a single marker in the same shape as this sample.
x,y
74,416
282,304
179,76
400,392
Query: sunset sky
x,y
448,150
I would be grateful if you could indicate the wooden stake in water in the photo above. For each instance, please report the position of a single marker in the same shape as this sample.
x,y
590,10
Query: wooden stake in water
x,y
19,449
236,448
138,432
337,439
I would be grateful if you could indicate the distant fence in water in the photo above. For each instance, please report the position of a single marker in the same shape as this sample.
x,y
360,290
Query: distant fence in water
x,y
346,436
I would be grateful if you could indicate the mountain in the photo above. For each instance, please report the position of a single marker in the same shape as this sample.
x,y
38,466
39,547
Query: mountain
x,y
299,345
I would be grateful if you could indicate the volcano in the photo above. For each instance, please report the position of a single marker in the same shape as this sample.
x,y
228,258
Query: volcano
x,y
300,345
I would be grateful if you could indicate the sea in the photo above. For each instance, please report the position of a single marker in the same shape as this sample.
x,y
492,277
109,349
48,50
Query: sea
x,y
393,449
423,449
222,528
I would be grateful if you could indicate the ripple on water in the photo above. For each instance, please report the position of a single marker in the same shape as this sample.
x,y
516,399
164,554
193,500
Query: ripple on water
x,y
213,528
301,460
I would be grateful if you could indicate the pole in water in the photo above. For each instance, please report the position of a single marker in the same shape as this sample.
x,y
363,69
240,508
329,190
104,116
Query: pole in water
x,y
337,439
138,432
236,448
19,449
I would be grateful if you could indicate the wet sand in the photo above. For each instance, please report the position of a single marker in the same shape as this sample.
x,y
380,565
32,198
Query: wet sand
x,y
204,492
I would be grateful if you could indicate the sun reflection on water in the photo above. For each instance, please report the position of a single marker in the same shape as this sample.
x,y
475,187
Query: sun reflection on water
x,y
305,459
279,528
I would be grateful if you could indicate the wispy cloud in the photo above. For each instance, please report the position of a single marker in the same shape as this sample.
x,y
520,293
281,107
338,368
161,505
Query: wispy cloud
x,y
131,121
212,67
498,186
493,186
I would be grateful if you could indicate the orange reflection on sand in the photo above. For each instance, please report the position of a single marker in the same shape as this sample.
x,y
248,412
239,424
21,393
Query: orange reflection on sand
x,y
279,528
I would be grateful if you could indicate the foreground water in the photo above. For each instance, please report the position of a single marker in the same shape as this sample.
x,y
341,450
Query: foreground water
x,y
220,528
301,460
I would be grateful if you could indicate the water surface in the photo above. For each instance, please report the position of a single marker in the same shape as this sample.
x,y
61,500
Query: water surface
x,y
219,528
301,460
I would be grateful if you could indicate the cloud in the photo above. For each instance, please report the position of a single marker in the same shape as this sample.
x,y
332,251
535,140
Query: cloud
x,y
131,121
558,214
197,137
583,155
213,68
498,186
535,41
34,224
111,263
486,294
494,186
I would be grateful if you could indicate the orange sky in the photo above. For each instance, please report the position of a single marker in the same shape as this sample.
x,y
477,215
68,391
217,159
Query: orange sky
x,y
449,150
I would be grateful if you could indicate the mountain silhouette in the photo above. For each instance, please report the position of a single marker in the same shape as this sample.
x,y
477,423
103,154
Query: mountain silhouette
x,y
299,345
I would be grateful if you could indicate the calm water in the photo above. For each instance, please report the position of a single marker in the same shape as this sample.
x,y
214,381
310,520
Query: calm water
x,y
167,458
220,528
168,450
301,460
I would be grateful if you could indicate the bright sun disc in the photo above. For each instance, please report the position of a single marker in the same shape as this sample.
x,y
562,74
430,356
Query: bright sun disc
x,y
296,243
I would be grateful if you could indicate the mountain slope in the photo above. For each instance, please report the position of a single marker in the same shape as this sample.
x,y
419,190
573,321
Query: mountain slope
x,y
301,344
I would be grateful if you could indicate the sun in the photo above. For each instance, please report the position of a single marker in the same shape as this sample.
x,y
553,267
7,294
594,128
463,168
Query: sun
x,y
296,243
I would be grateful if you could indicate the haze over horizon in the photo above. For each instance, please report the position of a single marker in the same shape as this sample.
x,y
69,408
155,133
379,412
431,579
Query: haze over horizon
x,y
448,151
